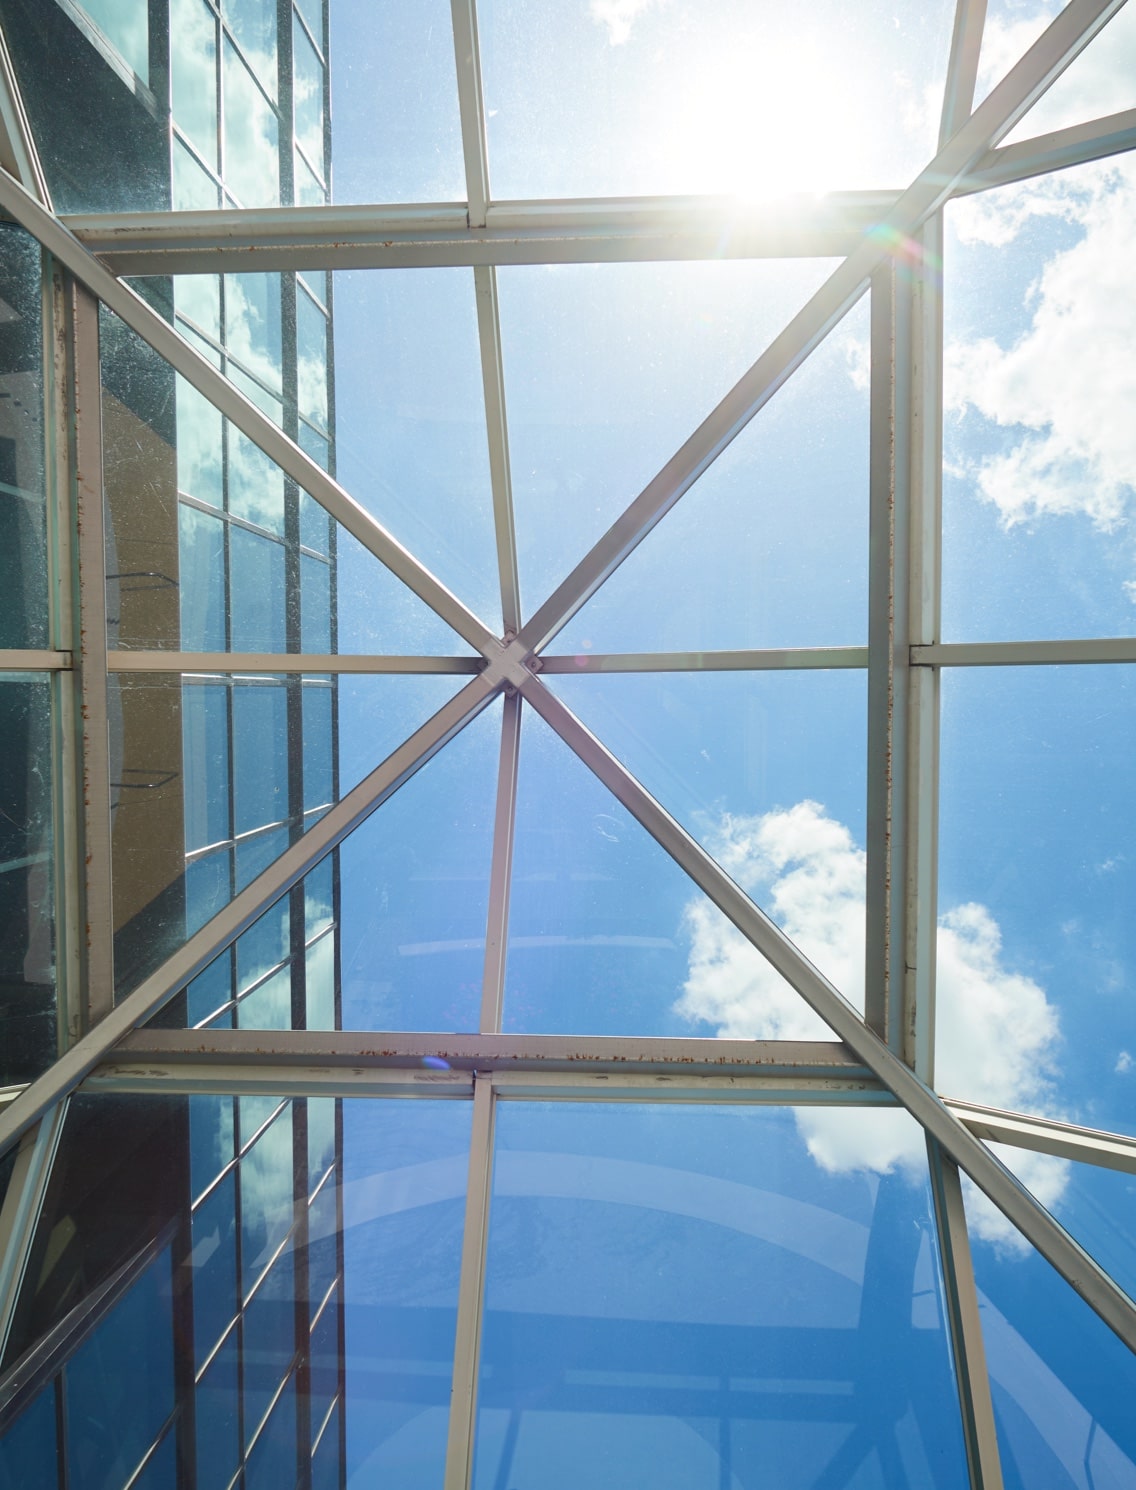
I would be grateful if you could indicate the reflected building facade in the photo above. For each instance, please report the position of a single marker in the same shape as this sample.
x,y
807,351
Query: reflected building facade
x,y
209,548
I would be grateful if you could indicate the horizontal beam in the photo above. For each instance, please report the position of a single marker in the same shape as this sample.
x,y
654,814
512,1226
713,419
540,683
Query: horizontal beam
x,y
766,659
34,660
1080,143
284,662
585,231
1024,654
1048,1136
596,1054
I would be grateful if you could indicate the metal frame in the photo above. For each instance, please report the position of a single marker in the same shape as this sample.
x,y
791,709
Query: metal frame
x,y
885,1057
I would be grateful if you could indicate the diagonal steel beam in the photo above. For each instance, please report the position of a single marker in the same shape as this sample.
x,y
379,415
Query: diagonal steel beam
x,y
224,396
201,948
1012,1199
1072,30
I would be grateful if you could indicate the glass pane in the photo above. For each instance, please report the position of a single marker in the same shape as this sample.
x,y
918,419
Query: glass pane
x,y
23,553
28,1447
394,99
405,1166
308,97
212,776
251,144
1039,458
607,935
595,401
1097,82
124,24
769,548
193,75
254,25
27,947
749,764
1062,1382
749,99
1036,881
199,556
410,420
690,1297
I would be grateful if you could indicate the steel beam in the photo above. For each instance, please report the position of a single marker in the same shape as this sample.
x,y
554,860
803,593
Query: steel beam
x,y
1024,654
1078,1269
1048,1136
962,67
493,381
765,659
603,1055
90,675
586,231
251,421
34,660
1096,139
217,934
284,662
1062,40
471,108
963,1322
471,1291
501,868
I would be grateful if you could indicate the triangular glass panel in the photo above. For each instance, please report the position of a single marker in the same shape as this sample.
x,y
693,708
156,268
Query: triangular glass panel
x,y
607,935
386,933
608,369
1062,1383
210,546
769,548
1098,82
767,769
212,775
410,434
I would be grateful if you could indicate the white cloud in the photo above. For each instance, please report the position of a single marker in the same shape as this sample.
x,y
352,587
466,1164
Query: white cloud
x,y
619,16
1124,1063
997,1034
1066,387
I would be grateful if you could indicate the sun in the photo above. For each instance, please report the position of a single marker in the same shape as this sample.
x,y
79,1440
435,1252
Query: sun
x,y
769,121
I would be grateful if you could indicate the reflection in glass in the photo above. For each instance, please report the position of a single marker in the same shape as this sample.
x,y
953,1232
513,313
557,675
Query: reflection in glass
x,y
251,140
27,949
683,1297
1061,1381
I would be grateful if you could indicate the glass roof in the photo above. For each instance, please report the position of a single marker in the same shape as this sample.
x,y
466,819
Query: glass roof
x,y
565,810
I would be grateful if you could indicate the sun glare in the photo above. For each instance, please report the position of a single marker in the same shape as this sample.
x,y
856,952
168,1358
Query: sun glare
x,y
763,123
